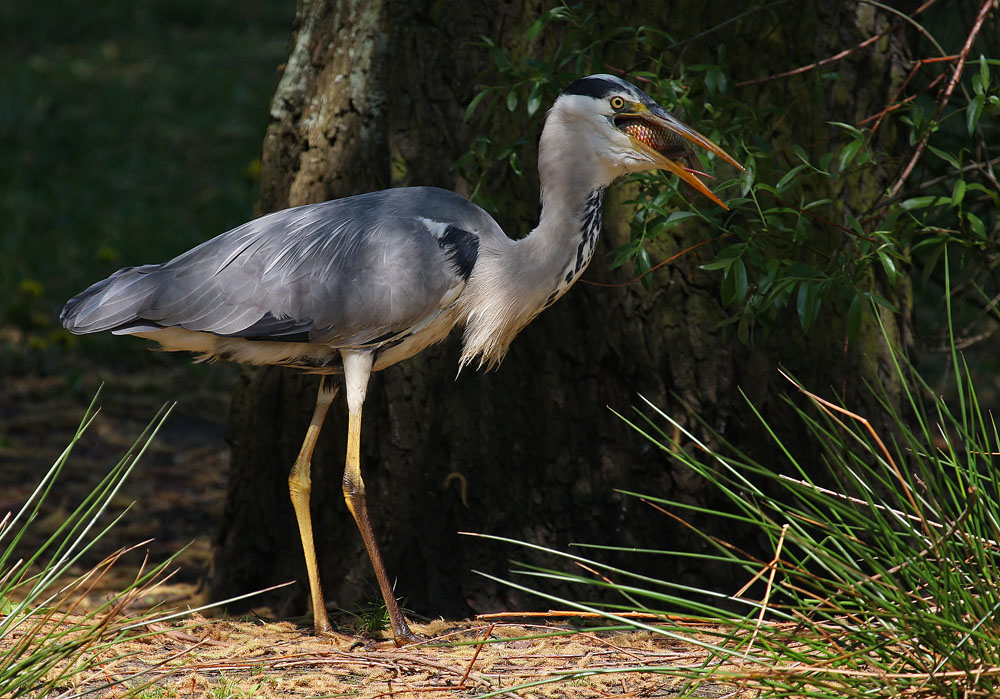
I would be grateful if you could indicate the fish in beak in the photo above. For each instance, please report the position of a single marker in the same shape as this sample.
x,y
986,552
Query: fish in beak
x,y
665,139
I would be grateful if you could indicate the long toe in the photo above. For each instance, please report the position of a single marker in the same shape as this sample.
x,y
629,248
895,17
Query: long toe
x,y
406,637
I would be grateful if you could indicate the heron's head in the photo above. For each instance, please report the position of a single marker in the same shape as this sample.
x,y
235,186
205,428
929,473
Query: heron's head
x,y
628,131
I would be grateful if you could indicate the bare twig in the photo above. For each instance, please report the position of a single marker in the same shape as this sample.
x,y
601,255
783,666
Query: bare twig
x,y
927,184
963,55
837,56
479,647
655,267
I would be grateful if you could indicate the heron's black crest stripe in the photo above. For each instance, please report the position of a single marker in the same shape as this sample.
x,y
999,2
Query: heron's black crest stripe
x,y
462,249
597,88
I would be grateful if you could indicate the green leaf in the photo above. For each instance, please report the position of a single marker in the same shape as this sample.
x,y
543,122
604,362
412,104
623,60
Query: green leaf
x,y
959,194
976,224
512,100
801,231
854,318
743,329
673,219
850,151
924,202
739,272
982,189
534,99
855,225
790,176
984,73
515,164
808,303
816,202
625,253
732,251
501,60
642,265
748,177
536,27
715,80
889,265
947,157
716,264
974,112
475,103
771,271
853,129
731,283
884,303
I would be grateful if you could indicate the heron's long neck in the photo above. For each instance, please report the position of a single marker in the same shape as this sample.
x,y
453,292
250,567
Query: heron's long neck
x,y
573,179
510,288
554,255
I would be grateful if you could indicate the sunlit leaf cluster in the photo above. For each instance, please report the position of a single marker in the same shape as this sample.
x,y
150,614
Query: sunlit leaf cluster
x,y
827,230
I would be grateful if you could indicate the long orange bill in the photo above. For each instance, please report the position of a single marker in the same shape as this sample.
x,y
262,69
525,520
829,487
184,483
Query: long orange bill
x,y
658,133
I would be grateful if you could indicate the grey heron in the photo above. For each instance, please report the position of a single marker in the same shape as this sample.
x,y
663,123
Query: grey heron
x,y
354,285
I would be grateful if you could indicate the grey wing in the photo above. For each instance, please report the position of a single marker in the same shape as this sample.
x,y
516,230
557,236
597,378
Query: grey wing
x,y
347,273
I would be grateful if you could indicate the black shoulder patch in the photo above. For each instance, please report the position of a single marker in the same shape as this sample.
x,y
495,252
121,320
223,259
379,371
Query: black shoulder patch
x,y
461,248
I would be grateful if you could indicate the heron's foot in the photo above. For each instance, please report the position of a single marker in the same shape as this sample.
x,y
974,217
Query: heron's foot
x,y
401,637
397,641
322,627
405,637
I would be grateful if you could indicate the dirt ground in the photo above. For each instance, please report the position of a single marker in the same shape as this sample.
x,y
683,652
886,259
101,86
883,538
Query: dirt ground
x,y
175,498
225,658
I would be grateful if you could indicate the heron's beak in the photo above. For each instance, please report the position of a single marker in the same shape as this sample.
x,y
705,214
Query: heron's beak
x,y
666,140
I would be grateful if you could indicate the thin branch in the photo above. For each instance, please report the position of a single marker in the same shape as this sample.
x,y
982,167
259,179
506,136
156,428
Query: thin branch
x,y
836,57
963,55
479,647
731,20
655,267
927,184
895,103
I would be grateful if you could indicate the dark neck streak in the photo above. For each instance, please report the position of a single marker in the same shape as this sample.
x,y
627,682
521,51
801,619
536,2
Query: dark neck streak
x,y
590,219
591,229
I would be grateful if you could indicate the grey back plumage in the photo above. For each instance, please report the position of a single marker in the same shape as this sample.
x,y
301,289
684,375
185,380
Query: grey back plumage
x,y
343,273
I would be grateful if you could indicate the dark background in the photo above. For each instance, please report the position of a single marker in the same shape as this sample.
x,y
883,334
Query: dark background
x,y
129,132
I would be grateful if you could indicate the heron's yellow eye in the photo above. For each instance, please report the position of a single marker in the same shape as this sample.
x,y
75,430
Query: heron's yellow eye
x,y
617,103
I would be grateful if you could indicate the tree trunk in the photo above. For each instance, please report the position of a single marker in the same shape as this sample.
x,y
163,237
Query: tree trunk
x,y
372,96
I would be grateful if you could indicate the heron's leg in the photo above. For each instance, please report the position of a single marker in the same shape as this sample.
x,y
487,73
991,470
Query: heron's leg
x,y
299,486
357,369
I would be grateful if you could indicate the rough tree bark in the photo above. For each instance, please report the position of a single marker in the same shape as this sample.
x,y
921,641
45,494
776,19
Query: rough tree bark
x,y
372,96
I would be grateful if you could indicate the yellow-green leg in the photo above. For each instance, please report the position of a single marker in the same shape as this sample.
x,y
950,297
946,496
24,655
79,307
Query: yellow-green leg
x,y
300,486
357,369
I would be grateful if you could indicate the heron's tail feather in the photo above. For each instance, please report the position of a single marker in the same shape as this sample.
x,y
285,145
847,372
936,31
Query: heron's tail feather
x,y
115,303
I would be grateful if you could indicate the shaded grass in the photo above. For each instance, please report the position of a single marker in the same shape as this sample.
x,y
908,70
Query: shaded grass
x,y
882,571
53,635
44,639
129,132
